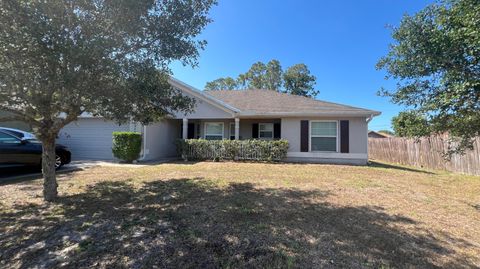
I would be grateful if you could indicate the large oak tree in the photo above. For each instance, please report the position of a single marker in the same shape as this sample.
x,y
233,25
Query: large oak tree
x,y
60,58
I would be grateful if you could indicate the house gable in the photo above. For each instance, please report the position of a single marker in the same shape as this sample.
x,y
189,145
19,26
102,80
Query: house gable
x,y
204,110
206,107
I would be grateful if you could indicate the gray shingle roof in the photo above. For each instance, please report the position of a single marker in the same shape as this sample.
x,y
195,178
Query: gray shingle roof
x,y
267,102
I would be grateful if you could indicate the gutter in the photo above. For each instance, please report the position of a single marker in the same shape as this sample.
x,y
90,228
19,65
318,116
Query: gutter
x,y
345,113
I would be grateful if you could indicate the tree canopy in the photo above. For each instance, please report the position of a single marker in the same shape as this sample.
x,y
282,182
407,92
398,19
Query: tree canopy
x,y
299,81
226,83
60,58
436,61
411,124
296,80
386,132
273,75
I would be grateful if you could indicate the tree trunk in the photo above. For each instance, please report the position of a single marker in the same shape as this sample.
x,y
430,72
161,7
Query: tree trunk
x,y
48,169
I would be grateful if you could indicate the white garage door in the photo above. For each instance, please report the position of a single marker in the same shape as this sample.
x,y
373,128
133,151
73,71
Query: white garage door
x,y
90,139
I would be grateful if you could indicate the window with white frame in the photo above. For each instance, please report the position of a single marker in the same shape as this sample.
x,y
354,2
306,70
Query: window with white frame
x,y
323,136
214,130
265,130
232,130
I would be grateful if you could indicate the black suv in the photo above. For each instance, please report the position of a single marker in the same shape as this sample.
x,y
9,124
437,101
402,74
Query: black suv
x,y
16,149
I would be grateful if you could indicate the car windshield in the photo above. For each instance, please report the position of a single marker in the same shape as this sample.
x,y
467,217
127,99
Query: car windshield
x,y
19,133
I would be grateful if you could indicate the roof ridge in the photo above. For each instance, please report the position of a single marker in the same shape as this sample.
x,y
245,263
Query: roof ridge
x,y
289,94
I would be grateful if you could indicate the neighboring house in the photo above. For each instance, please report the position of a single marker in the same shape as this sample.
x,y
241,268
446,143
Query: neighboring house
x,y
374,134
317,131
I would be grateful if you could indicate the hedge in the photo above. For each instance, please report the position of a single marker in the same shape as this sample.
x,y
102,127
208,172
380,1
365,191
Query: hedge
x,y
127,145
252,150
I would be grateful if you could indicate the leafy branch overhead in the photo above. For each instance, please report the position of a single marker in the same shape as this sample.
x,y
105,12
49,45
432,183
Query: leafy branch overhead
x,y
296,80
436,61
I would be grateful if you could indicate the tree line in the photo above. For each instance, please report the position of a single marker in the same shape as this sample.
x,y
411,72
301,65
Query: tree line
x,y
296,79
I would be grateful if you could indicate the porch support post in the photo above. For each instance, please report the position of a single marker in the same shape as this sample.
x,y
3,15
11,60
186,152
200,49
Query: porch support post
x,y
237,128
185,128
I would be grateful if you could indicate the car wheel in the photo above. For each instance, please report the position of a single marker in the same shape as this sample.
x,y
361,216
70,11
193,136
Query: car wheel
x,y
58,161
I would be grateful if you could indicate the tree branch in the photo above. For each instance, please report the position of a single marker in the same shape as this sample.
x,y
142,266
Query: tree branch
x,y
72,115
18,116
10,118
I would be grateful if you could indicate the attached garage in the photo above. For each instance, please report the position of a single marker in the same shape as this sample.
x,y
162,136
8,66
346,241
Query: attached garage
x,y
90,138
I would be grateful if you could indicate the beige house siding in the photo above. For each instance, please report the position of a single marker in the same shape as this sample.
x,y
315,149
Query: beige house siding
x,y
159,139
357,137
204,110
358,142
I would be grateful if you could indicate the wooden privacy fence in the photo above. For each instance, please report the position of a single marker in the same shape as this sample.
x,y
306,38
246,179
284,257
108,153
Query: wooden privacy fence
x,y
425,152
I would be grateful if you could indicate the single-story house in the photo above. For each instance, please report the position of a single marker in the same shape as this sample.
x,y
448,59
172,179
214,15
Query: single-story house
x,y
317,131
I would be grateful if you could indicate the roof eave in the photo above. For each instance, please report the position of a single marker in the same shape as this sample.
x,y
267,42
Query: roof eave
x,y
202,95
366,113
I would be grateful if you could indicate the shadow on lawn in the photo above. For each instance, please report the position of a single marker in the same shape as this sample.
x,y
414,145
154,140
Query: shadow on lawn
x,y
10,176
397,167
193,223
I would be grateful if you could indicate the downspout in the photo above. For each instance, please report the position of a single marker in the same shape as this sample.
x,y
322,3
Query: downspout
x,y
368,120
144,142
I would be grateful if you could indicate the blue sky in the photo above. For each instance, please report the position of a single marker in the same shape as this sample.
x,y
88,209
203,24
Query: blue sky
x,y
340,41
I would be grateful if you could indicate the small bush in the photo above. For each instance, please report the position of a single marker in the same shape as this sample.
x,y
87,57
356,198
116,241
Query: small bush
x,y
216,150
127,146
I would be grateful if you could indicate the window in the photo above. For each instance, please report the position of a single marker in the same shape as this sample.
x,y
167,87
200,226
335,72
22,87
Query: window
x,y
214,130
232,130
8,139
323,136
265,130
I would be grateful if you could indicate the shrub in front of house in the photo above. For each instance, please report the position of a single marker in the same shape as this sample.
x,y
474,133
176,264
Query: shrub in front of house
x,y
127,146
247,150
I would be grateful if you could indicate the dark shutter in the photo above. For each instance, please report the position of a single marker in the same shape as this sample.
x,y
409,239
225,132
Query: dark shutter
x,y
255,130
304,136
344,136
277,131
191,131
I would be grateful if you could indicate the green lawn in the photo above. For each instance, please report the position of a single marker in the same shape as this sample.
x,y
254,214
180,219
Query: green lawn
x,y
232,215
